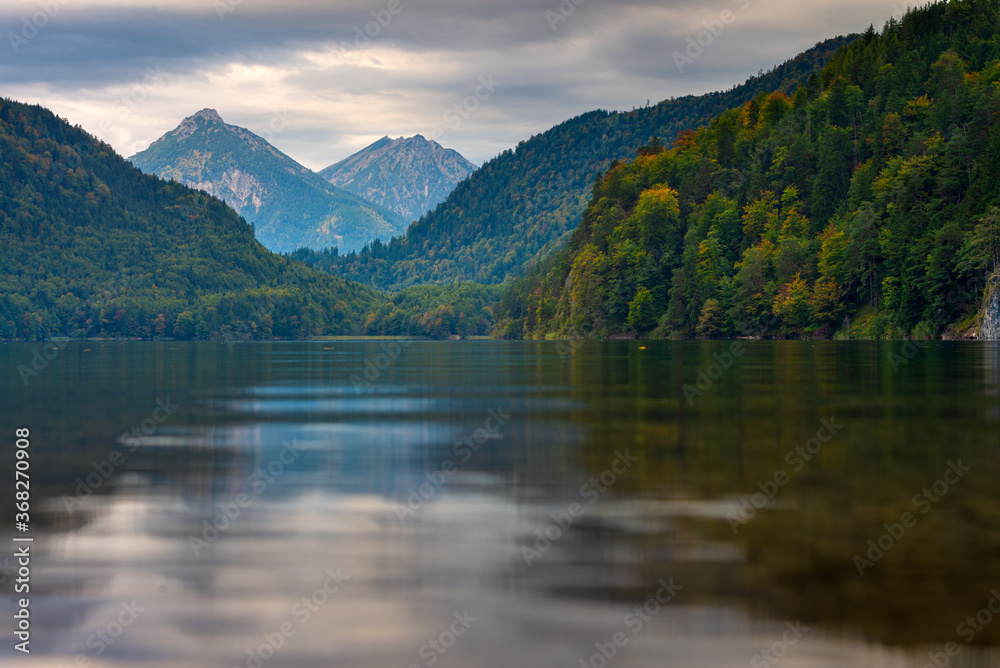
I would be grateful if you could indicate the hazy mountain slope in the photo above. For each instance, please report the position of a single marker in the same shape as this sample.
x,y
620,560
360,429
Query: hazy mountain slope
x,y
290,206
408,176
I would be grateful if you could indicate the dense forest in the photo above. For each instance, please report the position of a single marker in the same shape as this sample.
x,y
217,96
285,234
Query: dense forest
x,y
436,311
519,206
855,200
863,204
89,246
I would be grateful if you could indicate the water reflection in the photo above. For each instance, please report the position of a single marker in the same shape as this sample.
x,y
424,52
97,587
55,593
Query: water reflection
x,y
282,511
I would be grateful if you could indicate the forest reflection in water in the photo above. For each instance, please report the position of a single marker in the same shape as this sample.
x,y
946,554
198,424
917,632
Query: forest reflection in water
x,y
550,494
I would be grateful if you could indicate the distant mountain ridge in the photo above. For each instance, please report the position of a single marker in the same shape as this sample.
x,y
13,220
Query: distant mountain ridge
x,y
519,207
408,176
290,205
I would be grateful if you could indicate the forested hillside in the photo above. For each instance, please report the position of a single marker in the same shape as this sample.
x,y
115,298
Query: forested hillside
x,y
89,246
865,202
518,206
436,311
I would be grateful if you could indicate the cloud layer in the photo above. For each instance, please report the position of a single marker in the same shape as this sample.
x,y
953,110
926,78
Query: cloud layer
x,y
324,79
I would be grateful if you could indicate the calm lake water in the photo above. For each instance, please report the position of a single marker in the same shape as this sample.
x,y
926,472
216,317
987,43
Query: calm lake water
x,y
487,504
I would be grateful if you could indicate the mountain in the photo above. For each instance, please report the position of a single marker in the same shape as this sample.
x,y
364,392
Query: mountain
x,y
90,246
865,206
517,208
290,206
407,176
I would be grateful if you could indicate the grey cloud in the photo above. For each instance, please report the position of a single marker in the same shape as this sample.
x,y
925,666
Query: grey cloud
x,y
105,43
606,54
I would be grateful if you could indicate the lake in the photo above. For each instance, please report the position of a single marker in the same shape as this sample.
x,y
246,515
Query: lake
x,y
494,504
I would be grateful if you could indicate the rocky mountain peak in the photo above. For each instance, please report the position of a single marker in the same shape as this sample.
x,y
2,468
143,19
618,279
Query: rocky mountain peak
x,y
407,175
290,206
208,115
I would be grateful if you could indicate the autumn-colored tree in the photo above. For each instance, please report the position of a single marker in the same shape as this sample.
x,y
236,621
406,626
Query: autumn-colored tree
x,y
654,219
760,216
794,223
774,108
160,325
832,254
827,302
792,303
711,320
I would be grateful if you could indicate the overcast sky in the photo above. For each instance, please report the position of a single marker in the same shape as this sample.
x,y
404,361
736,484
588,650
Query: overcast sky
x,y
324,78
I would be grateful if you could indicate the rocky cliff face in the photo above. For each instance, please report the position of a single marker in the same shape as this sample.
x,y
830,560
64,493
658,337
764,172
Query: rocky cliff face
x,y
989,315
291,206
242,191
408,176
